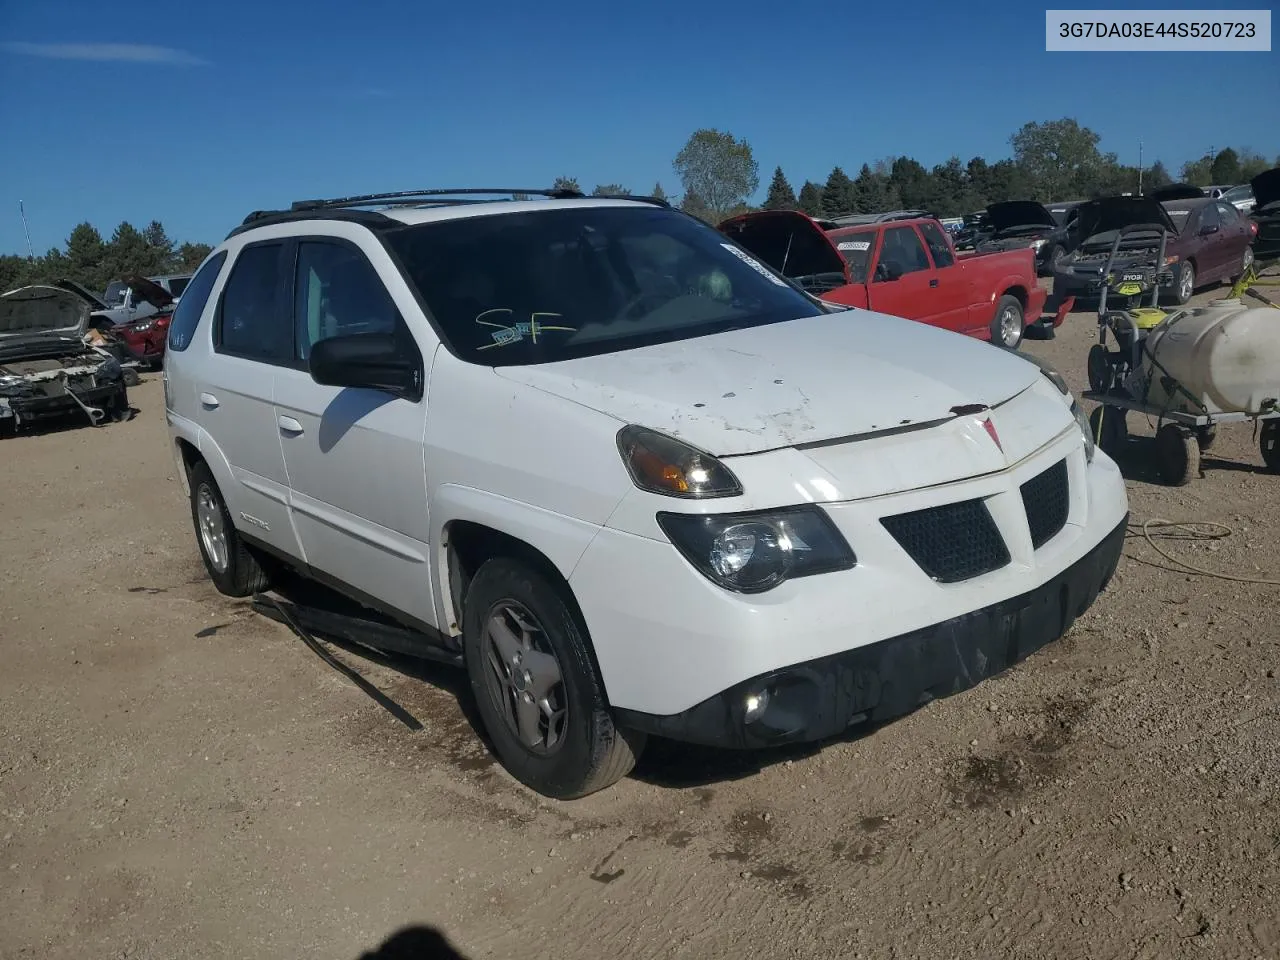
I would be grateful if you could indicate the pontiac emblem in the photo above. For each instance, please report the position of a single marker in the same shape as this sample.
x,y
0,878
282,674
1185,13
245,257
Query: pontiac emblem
x,y
990,427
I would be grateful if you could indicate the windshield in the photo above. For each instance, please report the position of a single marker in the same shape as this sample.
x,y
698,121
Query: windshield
x,y
548,285
856,250
1242,192
177,285
115,293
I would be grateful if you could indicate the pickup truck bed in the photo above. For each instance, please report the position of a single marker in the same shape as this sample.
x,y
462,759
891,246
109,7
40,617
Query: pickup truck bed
x,y
907,268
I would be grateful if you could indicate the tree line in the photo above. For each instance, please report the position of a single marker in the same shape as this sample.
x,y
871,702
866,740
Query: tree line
x,y
1051,161
1054,160
93,262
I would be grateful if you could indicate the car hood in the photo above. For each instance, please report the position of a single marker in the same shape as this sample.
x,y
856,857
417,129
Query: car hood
x,y
811,379
149,291
1266,188
778,236
1019,213
1114,213
61,308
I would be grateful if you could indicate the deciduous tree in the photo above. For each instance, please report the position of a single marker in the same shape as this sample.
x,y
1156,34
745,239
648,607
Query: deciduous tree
x,y
719,170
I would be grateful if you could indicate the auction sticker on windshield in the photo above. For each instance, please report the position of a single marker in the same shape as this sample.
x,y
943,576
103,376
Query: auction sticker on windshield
x,y
754,264
854,245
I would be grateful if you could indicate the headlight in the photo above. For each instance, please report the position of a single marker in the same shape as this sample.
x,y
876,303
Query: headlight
x,y
754,552
1037,244
144,326
1083,423
670,467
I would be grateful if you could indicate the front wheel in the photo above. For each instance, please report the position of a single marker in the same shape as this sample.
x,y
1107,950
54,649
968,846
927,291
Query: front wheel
x,y
1178,453
1099,368
537,690
1007,326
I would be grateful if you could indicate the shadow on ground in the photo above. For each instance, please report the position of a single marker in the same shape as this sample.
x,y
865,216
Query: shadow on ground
x,y
415,943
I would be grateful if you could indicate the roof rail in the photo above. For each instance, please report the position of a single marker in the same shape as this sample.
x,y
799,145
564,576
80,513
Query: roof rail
x,y
425,196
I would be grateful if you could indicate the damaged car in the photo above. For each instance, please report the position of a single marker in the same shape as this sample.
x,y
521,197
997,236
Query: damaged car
x,y
1206,241
1016,224
47,370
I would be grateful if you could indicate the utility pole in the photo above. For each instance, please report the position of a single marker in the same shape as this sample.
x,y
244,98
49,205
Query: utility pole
x,y
31,254
1139,167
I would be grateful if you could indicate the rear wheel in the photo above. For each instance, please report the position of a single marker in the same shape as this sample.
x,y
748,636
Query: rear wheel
x,y
1205,436
1178,453
231,565
536,686
1007,325
1052,257
1269,444
1246,261
1186,282
1099,367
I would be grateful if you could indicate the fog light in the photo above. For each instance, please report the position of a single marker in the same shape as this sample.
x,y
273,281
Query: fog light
x,y
756,704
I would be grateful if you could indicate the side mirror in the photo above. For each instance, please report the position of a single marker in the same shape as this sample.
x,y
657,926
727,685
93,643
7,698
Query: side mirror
x,y
888,270
374,361
1208,228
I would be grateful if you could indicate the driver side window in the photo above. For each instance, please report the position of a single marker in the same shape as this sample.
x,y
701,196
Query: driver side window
x,y
902,249
337,292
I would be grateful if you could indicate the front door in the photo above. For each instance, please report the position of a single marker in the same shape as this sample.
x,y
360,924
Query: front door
x,y
905,282
358,487
251,337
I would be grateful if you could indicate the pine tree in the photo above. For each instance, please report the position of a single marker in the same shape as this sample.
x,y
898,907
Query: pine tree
x,y
810,200
781,196
838,195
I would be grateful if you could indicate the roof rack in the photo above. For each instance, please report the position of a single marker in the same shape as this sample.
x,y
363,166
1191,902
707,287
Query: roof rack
x,y
351,208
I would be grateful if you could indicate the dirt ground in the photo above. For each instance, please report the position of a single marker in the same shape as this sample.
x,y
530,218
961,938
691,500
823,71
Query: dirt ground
x,y
180,777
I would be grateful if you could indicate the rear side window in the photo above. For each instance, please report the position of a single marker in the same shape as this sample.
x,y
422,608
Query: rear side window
x,y
189,310
937,245
250,321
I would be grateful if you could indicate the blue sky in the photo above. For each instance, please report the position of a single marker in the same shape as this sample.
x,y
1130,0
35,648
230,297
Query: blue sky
x,y
244,105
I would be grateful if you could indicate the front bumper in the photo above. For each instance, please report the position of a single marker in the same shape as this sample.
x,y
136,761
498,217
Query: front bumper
x,y
28,409
822,698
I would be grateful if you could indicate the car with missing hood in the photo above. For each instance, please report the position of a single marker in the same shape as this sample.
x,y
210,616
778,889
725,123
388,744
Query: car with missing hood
x,y
47,370
630,478
1024,223
1207,241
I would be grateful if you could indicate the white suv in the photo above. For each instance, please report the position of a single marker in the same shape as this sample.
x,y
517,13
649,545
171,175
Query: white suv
x,y
634,479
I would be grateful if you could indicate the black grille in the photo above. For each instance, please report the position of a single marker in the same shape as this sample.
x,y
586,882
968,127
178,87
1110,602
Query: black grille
x,y
951,543
1046,501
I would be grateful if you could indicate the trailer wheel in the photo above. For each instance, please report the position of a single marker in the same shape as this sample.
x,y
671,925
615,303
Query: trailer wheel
x,y
1269,444
1205,436
1178,453
1110,427
1099,367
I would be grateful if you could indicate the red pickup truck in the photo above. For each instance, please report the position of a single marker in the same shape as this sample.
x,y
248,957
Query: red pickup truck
x,y
907,268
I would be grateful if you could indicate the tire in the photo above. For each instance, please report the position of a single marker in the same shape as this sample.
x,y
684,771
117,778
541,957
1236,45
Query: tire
x,y
1186,283
1099,368
131,378
1269,445
8,427
240,574
1246,261
516,617
1205,437
1008,325
1110,426
1178,453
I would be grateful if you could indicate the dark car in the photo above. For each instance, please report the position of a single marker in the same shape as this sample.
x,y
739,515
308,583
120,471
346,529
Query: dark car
x,y
1266,213
1024,223
46,368
1207,241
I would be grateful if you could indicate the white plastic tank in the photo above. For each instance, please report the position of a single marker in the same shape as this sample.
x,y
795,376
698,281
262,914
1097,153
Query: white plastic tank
x,y
1226,354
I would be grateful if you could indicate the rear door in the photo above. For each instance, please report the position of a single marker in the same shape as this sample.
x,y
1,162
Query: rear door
x,y
905,282
1235,238
251,340
1207,242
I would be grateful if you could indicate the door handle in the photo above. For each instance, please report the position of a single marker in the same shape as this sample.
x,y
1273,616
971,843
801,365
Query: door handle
x,y
209,400
933,282
289,425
